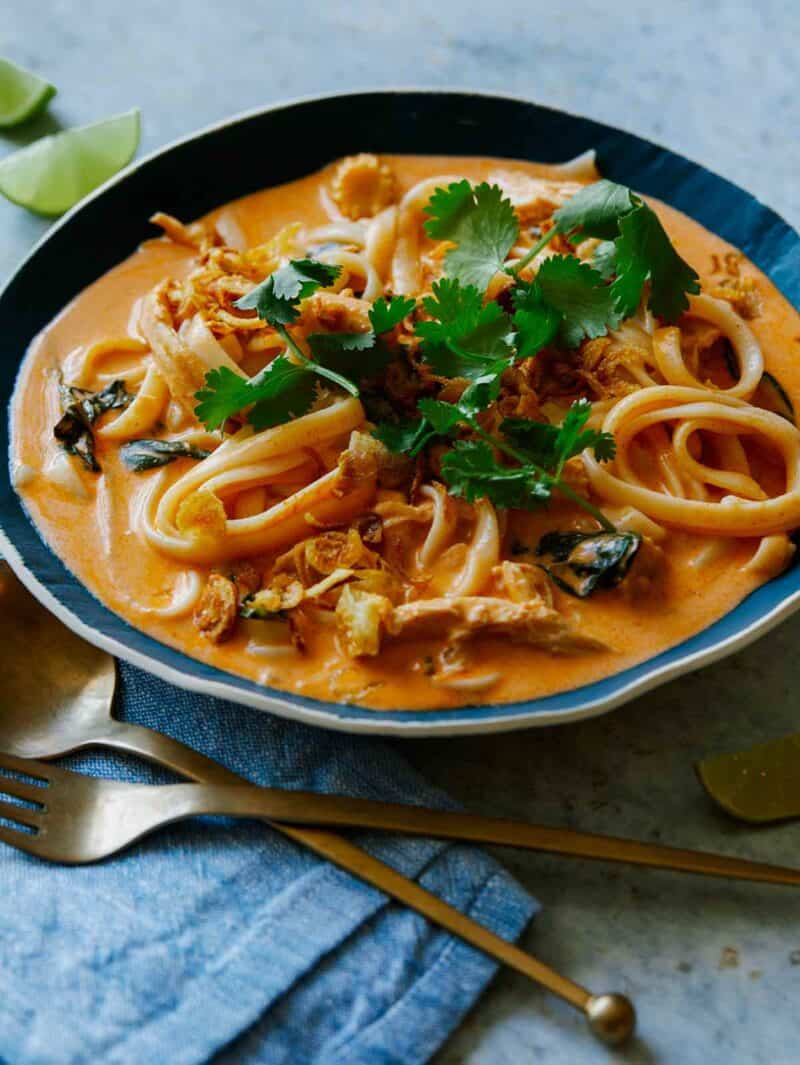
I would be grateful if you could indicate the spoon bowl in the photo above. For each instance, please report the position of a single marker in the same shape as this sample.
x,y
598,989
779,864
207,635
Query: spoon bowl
x,y
56,689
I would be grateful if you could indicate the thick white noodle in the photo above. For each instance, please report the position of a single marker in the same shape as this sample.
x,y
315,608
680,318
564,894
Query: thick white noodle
x,y
483,552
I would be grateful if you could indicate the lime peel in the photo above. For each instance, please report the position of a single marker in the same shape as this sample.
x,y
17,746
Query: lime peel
x,y
23,94
54,173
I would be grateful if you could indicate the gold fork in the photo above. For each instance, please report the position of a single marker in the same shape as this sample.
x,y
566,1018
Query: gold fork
x,y
75,819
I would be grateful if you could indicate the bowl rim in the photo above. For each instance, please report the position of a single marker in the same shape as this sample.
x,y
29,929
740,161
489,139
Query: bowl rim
x,y
497,717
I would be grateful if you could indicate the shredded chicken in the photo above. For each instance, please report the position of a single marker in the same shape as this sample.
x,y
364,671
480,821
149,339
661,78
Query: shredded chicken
x,y
524,583
605,365
461,618
367,458
534,199
362,186
284,592
518,397
246,578
319,556
334,312
194,235
338,550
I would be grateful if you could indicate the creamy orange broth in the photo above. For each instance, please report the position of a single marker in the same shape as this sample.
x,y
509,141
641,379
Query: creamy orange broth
x,y
93,538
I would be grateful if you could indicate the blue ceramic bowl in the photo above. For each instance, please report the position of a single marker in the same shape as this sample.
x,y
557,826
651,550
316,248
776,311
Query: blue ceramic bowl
x,y
184,180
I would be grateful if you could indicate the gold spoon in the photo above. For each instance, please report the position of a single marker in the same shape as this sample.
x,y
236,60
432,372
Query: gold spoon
x,y
64,704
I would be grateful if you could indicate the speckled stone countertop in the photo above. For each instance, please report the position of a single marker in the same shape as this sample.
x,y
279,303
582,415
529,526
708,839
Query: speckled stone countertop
x,y
714,968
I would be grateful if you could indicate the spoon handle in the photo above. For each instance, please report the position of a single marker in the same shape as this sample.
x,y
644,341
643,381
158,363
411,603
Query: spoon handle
x,y
611,1017
166,752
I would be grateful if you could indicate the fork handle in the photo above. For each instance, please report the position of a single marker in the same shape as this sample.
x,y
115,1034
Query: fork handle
x,y
309,808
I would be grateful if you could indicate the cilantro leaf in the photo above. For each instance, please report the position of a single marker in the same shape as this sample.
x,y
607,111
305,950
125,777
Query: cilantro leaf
x,y
571,438
467,336
472,471
442,416
275,299
411,436
347,353
595,211
537,441
580,295
406,437
225,393
645,253
536,322
280,391
485,388
386,314
604,259
480,222
551,446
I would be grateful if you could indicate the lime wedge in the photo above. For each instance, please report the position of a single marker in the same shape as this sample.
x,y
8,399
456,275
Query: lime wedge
x,y
52,174
22,94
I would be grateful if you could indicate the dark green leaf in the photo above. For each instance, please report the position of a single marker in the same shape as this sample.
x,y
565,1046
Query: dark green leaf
x,y
536,322
467,337
140,455
442,416
484,389
354,354
284,393
282,390
538,441
472,471
551,446
580,295
482,225
645,253
410,437
385,315
81,410
595,211
407,437
447,208
225,394
582,562
275,299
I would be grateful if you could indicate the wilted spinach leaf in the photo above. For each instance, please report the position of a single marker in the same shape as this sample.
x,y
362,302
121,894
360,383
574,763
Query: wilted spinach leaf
x,y
81,410
140,455
582,562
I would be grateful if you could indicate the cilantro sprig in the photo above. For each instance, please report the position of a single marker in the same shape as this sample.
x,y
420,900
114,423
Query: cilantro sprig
x,y
635,249
473,469
287,387
276,301
483,227
282,390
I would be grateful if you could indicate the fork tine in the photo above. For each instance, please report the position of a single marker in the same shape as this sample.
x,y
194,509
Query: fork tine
x,y
22,789
39,770
21,841
23,814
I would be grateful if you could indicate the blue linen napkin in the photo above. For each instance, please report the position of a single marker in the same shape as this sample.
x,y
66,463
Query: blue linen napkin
x,y
227,940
